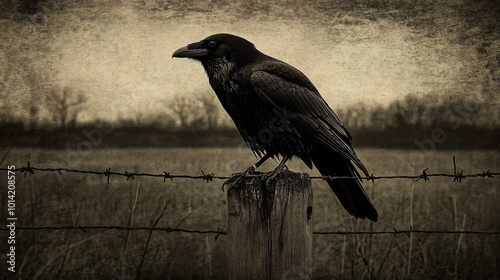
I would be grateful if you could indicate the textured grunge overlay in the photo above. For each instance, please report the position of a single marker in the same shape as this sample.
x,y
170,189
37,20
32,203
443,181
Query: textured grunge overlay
x,y
120,152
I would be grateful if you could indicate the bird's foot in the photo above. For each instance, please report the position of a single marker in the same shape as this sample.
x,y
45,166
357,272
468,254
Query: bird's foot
x,y
270,176
237,178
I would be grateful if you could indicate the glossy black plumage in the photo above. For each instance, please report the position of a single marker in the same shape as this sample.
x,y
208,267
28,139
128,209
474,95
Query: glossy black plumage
x,y
278,111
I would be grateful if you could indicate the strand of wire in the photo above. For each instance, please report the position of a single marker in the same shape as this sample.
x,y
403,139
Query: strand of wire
x,y
457,176
219,232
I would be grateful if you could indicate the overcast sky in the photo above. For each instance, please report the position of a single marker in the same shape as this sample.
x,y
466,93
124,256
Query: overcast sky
x,y
120,57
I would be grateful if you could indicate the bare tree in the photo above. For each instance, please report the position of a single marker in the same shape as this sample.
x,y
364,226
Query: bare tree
x,y
379,117
181,107
34,81
355,116
65,106
211,110
191,112
409,112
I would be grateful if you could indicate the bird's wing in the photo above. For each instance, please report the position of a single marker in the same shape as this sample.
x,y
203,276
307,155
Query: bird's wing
x,y
290,91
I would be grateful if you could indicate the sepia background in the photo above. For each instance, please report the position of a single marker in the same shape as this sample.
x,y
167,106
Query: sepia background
x,y
91,85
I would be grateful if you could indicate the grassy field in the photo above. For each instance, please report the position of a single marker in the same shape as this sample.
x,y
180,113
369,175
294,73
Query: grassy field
x,y
47,199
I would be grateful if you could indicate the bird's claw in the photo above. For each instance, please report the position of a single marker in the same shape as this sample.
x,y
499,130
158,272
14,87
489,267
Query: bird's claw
x,y
270,176
237,178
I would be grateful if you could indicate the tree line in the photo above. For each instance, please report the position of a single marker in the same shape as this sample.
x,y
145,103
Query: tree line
x,y
464,122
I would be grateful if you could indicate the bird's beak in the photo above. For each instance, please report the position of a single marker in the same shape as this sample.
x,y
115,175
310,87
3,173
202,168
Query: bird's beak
x,y
193,50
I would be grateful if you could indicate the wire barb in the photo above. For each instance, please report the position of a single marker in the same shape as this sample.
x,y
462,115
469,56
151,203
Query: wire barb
x,y
218,234
396,232
167,176
487,174
372,178
82,228
424,175
129,175
458,175
107,173
26,169
208,177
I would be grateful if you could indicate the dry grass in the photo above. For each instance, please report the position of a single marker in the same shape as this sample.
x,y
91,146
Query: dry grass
x,y
441,204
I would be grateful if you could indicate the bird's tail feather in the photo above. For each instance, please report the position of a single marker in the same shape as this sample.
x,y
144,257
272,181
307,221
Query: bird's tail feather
x,y
350,192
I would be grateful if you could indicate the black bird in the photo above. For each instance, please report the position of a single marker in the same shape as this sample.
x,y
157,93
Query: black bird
x,y
279,112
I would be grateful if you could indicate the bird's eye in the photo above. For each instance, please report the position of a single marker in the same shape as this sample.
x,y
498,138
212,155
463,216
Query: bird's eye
x,y
212,44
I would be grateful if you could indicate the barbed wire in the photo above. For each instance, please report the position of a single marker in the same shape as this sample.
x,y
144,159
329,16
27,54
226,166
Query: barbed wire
x,y
219,232
457,176
396,232
86,228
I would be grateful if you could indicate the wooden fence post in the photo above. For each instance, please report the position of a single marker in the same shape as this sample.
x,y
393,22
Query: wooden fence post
x,y
270,228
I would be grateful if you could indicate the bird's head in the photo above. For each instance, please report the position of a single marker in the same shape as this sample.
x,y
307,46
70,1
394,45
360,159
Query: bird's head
x,y
228,47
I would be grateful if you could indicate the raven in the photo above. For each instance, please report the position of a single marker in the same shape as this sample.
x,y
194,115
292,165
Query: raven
x,y
279,112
